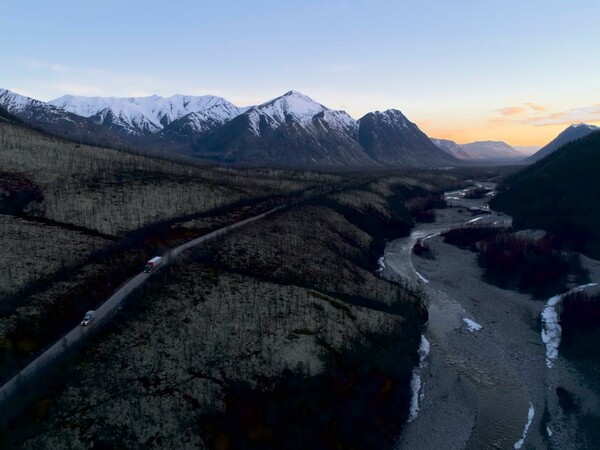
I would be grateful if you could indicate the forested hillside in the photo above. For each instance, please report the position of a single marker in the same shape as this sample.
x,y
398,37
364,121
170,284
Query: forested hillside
x,y
559,194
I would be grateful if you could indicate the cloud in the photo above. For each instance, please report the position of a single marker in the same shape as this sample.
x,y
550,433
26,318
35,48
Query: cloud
x,y
529,114
574,115
512,110
53,67
63,79
536,107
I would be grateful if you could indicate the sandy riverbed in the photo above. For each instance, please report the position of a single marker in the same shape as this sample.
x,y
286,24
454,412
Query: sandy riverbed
x,y
485,383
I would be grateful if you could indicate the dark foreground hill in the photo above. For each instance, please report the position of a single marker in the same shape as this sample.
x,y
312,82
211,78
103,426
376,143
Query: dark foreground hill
x,y
559,194
569,134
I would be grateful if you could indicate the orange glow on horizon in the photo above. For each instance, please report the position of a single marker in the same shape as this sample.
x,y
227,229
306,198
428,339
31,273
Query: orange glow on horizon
x,y
510,132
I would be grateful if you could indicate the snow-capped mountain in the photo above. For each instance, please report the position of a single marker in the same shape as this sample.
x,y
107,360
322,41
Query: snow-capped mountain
x,y
482,151
389,137
56,120
491,150
571,133
451,148
21,105
290,129
149,115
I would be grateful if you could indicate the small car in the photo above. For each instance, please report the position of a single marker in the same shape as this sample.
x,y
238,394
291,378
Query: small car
x,y
89,316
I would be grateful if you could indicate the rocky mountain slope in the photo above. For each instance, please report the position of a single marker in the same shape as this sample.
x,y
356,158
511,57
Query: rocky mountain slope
x,y
451,148
150,115
571,133
290,130
59,122
480,151
491,150
389,138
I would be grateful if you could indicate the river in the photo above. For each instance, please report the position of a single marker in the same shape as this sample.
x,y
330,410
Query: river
x,y
486,382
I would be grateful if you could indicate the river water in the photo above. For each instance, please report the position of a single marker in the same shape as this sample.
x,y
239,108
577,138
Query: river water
x,y
486,381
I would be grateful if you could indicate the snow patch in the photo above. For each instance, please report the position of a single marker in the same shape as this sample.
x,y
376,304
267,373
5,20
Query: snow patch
x,y
472,325
549,431
530,415
149,114
415,381
476,219
551,329
421,277
381,264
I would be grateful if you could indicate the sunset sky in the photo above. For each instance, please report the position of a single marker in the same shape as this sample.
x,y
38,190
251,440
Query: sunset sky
x,y
518,71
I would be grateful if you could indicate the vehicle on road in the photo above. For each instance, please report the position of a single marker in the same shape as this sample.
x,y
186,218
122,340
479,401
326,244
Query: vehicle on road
x,y
152,264
89,316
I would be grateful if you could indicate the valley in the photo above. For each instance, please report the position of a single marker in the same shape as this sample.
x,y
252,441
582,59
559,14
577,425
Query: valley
x,y
487,380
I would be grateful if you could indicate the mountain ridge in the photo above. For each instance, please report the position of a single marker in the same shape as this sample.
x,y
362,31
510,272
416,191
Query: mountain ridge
x,y
569,134
292,129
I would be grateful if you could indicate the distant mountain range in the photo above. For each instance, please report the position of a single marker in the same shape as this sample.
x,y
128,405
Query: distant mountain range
x,y
291,130
481,151
571,133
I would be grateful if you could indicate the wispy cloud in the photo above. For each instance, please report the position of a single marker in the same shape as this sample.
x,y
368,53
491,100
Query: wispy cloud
x,y
54,67
90,81
536,107
574,115
512,110
529,114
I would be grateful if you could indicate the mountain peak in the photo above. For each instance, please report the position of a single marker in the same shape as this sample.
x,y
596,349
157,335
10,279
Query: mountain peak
x,y
292,104
582,124
293,93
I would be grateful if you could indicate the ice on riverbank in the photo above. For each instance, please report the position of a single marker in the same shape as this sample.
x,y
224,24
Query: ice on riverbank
x,y
530,415
415,381
551,329
380,264
476,219
472,326
421,277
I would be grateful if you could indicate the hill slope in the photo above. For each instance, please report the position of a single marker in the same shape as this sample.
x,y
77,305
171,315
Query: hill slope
x,y
492,150
560,194
570,134
390,138
290,130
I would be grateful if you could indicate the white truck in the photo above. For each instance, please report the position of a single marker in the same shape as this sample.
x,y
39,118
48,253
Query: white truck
x,y
152,264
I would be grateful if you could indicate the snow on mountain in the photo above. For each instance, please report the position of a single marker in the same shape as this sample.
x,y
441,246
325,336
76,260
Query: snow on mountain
x,y
389,137
451,148
296,107
585,125
571,133
291,104
290,129
15,103
490,150
148,115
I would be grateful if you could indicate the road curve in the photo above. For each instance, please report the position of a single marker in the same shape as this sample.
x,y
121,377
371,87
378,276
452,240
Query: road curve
x,y
105,311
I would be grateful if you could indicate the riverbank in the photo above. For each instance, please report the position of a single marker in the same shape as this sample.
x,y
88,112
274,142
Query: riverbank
x,y
485,346
486,382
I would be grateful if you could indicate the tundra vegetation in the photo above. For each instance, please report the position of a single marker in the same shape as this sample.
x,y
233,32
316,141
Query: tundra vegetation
x,y
278,328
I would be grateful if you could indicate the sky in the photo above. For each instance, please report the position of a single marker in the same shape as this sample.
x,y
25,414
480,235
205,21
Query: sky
x,y
466,70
